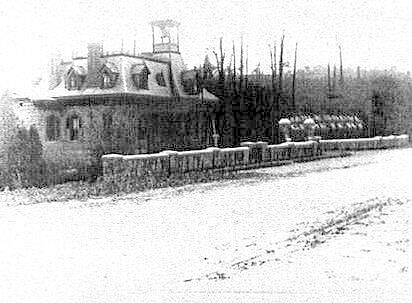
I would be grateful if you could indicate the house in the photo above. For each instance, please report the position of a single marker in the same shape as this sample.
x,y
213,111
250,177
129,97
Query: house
x,y
123,102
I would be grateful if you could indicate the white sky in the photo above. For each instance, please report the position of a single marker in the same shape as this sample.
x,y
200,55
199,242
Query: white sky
x,y
373,34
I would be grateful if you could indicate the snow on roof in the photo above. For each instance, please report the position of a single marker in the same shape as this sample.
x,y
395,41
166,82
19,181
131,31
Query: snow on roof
x,y
126,66
112,67
208,95
80,70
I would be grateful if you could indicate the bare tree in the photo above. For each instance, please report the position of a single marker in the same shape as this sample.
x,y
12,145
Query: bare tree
x,y
220,61
341,66
241,65
294,79
274,106
247,65
272,64
234,67
329,84
280,80
229,69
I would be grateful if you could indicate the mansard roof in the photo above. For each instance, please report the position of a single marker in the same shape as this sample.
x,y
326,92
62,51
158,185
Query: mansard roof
x,y
125,66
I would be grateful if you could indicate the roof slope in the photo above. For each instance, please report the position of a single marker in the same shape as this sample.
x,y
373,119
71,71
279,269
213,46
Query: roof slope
x,y
126,65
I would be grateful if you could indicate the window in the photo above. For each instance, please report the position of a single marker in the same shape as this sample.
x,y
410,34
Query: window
x,y
141,81
160,79
108,75
74,125
107,125
52,128
107,120
75,78
142,131
72,82
140,76
107,81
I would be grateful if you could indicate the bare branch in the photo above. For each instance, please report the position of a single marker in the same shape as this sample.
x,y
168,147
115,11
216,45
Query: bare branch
x,y
294,80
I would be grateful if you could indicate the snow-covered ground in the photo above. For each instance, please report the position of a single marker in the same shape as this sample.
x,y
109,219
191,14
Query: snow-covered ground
x,y
336,230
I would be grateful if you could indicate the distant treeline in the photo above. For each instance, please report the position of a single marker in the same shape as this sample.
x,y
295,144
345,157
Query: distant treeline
x,y
252,103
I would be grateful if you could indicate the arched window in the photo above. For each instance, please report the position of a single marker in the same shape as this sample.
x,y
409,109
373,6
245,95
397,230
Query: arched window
x,y
75,77
74,125
52,128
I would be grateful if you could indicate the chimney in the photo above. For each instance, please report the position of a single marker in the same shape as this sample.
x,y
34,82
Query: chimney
x,y
94,63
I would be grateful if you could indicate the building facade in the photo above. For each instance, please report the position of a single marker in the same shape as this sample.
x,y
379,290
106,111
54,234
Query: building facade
x,y
122,102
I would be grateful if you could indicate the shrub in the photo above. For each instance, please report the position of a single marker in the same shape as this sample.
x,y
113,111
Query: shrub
x,y
37,166
21,162
8,127
18,158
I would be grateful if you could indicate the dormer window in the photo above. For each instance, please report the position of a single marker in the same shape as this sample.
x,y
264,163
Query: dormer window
x,y
109,74
75,78
140,76
160,79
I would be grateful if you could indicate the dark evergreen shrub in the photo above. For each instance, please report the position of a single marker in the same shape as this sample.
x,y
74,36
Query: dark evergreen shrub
x,y
37,166
8,124
21,162
18,158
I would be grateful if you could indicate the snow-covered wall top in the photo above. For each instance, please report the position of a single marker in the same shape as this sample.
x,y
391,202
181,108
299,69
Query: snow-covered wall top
x,y
170,167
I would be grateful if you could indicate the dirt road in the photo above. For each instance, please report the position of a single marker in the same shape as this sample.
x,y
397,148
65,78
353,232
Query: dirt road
x,y
335,230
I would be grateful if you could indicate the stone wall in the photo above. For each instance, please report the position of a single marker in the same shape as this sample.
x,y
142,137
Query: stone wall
x,y
365,143
135,172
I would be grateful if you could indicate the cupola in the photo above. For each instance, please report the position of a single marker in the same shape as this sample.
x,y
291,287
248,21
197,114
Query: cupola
x,y
165,36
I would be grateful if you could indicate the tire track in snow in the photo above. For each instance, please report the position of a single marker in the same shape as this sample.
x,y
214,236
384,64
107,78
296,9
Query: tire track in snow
x,y
309,235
